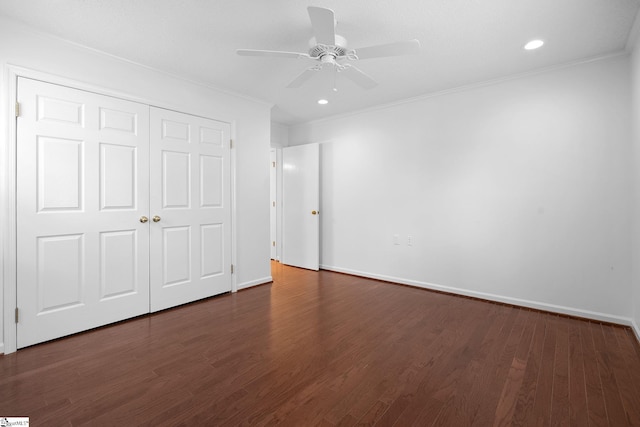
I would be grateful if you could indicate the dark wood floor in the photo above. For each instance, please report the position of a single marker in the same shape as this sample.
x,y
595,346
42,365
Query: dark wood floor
x,y
331,349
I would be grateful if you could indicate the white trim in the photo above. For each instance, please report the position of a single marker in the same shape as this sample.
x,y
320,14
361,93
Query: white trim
x,y
9,238
457,89
256,282
46,77
234,231
603,317
8,183
1,348
636,330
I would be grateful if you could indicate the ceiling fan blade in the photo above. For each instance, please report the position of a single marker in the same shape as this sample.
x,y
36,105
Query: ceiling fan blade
x,y
303,77
409,47
271,53
358,77
323,22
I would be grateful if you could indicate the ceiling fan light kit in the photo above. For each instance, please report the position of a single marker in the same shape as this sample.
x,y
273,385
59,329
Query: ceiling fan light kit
x,y
534,44
329,49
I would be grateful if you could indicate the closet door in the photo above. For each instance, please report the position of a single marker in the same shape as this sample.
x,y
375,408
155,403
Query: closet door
x,y
190,237
82,189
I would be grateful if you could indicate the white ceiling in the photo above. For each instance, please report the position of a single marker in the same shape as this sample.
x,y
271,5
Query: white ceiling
x,y
463,41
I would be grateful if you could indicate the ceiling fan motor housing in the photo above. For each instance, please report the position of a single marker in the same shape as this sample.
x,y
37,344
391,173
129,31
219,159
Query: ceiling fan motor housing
x,y
317,50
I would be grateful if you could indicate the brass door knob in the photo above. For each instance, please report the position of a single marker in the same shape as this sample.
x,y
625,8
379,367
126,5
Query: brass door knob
x,y
315,212
143,219
156,218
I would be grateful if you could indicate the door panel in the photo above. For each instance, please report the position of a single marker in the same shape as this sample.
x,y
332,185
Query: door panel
x,y
176,260
82,185
117,177
59,168
191,195
211,170
301,197
212,249
176,174
60,288
118,263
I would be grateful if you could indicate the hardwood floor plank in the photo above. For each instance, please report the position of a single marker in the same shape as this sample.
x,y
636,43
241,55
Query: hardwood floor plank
x,y
524,410
597,411
447,360
631,376
373,415
505,409
461,407
489,387
328,349
615,409
544,385
626,390
483,404
577,388
560,404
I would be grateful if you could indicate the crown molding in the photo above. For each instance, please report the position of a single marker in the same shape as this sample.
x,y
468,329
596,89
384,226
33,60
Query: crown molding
x,y
465,88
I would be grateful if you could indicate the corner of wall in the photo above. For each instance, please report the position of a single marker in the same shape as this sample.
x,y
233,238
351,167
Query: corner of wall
x,y
279,135
633,46
632,38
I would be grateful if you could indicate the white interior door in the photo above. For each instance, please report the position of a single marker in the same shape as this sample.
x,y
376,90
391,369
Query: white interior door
x,y
82,186
301,196
190,235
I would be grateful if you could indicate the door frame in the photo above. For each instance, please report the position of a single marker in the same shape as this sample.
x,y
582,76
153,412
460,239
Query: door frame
x,y
273,201
8,236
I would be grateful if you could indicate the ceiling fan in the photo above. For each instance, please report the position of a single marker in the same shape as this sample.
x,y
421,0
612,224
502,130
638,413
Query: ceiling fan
x,y
328,49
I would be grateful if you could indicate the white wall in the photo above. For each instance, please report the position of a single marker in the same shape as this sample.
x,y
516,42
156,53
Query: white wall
x,y
279,135
251,121
516,191
635,86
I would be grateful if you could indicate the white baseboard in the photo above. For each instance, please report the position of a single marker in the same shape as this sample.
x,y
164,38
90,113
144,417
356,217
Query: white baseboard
x,y
256,282
636,329
571,311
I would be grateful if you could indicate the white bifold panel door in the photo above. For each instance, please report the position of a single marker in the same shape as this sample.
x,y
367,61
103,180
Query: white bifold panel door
x,y
300,206
113,222
190,200
82,186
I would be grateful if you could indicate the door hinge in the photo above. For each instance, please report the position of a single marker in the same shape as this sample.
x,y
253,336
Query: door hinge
x,y
231,268
17,109
273,164
16,314
231,143
273,243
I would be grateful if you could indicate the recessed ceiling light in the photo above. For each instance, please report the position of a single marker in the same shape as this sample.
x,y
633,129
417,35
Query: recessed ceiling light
x,y
323,101
533,44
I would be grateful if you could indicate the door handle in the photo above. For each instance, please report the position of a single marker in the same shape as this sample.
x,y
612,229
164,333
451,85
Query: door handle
x,y
156,218
315,212
143,219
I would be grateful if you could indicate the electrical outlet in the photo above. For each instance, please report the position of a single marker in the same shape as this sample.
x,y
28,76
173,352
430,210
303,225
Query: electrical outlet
x,y
410,240
396,239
